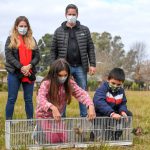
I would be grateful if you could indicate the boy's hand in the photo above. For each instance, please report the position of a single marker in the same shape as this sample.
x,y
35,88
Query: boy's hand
x,y
116,116
91,112
123,114
56,113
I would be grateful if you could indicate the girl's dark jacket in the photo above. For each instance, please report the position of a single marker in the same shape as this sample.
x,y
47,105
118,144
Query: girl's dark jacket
x,y
12,58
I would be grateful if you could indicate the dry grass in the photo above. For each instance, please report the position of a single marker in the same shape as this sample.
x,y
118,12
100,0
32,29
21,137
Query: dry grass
x,y
138,103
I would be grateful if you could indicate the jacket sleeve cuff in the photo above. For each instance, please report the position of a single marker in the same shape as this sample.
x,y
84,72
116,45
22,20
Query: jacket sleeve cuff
x,y
122,111
112,114
93,65
109,113
19,66
32,64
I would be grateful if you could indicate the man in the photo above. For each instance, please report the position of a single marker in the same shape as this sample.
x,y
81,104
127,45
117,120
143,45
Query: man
x,y
73,42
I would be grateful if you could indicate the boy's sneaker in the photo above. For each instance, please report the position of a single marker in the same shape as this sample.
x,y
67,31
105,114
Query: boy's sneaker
x,y
92,136
116,134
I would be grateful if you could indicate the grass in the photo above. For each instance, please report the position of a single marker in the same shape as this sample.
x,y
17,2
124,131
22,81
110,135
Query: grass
x,y
138,103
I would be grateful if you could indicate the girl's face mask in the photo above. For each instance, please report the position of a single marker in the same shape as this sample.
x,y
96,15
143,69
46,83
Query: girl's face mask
x,y
62,76
22,30
62,80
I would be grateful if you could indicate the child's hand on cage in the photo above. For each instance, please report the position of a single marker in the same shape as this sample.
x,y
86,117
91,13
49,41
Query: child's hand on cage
x,y
91,112
115,116
56,113
123,114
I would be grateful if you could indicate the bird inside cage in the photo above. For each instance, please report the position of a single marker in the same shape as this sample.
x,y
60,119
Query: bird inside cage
x,y
84,133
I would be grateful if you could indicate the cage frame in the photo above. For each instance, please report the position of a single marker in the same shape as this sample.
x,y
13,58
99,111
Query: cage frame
x,y
73,144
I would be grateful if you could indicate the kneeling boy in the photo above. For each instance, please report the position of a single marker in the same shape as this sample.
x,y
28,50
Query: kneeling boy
x,y
110,99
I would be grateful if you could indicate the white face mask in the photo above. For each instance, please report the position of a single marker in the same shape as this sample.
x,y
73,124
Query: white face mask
x,y
22,30
62,79
71,19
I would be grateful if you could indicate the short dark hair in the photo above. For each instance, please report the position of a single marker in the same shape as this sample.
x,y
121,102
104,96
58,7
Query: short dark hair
x,y
71,6
117,74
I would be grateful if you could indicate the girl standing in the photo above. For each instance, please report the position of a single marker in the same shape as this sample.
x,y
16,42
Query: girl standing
x,y
22,55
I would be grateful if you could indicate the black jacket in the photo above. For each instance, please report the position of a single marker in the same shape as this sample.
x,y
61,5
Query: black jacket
x,y
12,58
85,43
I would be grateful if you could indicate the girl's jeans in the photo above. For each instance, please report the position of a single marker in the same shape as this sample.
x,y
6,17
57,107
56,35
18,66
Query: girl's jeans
x,y
13,88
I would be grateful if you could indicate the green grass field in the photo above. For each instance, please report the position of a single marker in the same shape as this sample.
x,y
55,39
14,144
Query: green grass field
x,y
138,103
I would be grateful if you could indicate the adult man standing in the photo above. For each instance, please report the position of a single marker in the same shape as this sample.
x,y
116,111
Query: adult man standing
x,y
73,42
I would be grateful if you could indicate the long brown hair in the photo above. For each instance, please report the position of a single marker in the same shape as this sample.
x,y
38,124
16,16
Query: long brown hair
x,y
28,38
57,66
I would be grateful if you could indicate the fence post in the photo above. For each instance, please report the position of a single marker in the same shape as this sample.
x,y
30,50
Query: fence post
x,y
7,134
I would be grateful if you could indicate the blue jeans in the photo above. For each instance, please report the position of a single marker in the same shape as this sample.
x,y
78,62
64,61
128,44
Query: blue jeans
x,y
13,88
80,76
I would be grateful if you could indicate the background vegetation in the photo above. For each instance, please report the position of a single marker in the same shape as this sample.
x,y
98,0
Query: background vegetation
x,y
110,53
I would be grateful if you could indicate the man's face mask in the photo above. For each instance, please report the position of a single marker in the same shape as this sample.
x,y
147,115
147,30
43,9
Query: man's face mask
x,y
71,19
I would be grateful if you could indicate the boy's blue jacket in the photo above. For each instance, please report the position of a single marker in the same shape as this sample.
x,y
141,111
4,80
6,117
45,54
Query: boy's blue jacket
x,y
106,101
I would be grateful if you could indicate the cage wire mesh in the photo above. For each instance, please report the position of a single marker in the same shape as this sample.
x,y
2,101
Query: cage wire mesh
x,y
69,132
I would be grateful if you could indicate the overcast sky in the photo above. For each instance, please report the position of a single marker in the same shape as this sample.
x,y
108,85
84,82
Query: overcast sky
x,y
128,18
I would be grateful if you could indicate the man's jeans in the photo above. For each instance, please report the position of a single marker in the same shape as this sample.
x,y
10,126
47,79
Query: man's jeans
x,y
80,76
13,87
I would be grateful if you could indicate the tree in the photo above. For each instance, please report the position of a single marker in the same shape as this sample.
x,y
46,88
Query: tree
x,y
139,48
102,41
2,57
145,72
117,52
109,51
129,63
2,66
44,45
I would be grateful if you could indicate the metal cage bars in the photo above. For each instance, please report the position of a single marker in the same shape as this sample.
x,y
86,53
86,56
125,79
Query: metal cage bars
x,y
69,132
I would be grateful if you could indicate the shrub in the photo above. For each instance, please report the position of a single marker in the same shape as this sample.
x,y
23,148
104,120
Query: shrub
x,y
128,84
3,87
92,85
135,87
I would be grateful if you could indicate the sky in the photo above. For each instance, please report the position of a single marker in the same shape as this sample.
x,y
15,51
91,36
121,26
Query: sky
x,y
129,19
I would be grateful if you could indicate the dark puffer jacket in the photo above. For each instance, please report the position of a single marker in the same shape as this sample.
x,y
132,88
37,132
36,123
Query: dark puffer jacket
x,y
12,58
85,43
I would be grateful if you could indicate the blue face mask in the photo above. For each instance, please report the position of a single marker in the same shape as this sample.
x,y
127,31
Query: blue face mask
x,y
62,79
22,30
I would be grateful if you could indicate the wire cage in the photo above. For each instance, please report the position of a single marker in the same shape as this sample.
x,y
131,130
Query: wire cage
x,y
69,132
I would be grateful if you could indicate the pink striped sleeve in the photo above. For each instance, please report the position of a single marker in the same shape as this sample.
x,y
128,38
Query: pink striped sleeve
x,y
42,102
80,94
